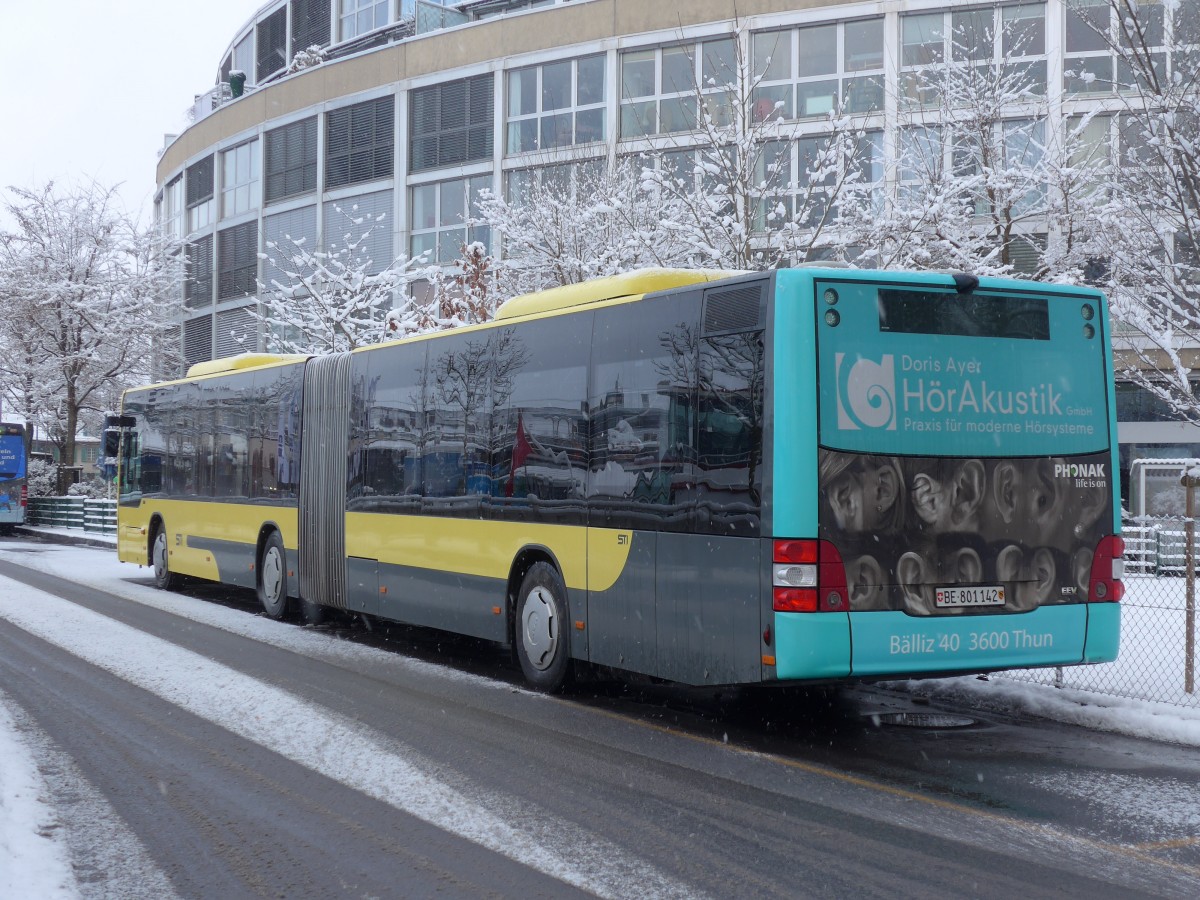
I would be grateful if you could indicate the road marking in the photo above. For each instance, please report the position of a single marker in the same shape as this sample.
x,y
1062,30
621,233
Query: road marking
x,y
334,746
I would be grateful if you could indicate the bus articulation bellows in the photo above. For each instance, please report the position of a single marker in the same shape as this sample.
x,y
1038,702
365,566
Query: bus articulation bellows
x,y
806,475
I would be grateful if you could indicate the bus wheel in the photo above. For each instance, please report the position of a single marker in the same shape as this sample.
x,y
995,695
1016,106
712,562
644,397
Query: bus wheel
x,y
542,637
272,578
164,578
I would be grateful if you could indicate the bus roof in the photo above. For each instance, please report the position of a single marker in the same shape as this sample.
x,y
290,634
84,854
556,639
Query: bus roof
x,y
627,284
242,361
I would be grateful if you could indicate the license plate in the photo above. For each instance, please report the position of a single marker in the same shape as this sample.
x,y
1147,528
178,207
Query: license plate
x,y
947,597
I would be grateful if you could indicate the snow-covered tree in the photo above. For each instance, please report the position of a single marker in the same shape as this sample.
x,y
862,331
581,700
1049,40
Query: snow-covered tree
x,y
85,292
744,192
980,176
334,299
574,221
1147,238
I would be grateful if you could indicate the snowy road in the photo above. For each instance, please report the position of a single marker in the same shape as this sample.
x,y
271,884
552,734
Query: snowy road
x,y
175,745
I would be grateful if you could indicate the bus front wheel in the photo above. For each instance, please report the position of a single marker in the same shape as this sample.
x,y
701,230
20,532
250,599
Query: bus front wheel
x,y
543,635
272,578
164,578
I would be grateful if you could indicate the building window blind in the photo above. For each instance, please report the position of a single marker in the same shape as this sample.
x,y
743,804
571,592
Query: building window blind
x,y
197,340
310,24
361,230
451,123
291,160
272,44
237,261
359,143
237,332
197,289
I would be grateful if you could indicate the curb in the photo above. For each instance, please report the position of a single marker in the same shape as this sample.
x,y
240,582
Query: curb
x,y
51,537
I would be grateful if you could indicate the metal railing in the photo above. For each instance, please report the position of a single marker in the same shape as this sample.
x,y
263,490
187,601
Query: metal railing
x,y
94,516
1157,656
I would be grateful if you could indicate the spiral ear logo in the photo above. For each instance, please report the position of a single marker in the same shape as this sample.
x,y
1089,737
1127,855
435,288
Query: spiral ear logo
x,y
866,393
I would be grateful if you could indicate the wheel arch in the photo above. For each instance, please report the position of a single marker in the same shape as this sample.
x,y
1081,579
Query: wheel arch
x,y
157,523
524,560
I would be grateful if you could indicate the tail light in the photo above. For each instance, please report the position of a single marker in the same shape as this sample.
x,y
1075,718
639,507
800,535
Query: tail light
x,y
1108,567
808,576
24,495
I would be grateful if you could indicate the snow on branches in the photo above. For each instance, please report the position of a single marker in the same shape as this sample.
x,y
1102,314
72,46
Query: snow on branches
x,y
336,298
88,294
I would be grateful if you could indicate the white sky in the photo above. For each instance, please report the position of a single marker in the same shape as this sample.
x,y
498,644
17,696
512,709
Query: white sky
x,y
88,88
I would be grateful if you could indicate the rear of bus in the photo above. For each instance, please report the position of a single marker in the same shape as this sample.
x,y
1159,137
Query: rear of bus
x,y
14,485
961,483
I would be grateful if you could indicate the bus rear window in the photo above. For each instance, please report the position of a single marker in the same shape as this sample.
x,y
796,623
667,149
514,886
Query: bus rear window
x,y
968,315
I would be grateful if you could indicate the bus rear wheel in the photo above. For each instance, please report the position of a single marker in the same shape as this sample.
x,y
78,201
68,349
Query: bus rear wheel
x,y
272,578
542,636
164,578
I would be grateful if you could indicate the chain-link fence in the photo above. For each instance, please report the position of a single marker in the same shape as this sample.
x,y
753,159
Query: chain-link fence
x,y
1153,661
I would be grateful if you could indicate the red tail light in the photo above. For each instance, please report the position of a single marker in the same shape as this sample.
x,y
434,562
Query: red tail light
x,y
24,495
1108,567
808,576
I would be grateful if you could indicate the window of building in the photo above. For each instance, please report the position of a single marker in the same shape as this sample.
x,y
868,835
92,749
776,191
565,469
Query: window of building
x,y
198,284
271,34
285,234
556,105
565,179
360,143
439,214
361,230
357,17
659,86
451,123
243,57
237,331
1092,26
1010,36
797,177
200,194
173,208
809,71
197,340
291,160
237,261
239,179
310,24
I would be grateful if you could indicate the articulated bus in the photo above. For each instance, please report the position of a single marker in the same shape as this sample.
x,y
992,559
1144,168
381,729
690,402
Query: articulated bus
x,y
807,475
14,484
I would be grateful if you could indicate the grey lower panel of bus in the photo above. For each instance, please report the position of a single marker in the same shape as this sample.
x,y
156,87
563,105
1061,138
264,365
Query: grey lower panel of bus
x,y
233,560
434,599
704,627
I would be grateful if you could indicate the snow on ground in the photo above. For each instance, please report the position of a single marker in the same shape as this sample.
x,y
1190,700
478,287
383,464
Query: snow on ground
x,y
33,859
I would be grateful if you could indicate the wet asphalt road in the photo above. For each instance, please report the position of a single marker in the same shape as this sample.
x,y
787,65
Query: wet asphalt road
x,y
726,794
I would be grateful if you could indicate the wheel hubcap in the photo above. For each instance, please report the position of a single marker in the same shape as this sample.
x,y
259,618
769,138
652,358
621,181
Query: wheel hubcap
x,y
539,628
272,575
160,556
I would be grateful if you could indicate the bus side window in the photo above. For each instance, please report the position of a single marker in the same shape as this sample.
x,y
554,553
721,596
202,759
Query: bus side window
x,y
730,435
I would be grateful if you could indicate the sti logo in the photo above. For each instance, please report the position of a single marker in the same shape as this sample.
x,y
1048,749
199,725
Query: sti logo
x,y
866,393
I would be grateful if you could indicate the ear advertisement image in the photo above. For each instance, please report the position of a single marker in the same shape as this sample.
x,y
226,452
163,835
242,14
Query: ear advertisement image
x,y
946,536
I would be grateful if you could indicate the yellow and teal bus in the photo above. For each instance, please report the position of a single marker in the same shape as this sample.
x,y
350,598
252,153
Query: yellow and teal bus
x,y
806,475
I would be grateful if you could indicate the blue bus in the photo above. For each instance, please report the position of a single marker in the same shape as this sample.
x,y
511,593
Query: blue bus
x,y
807,475
14,488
